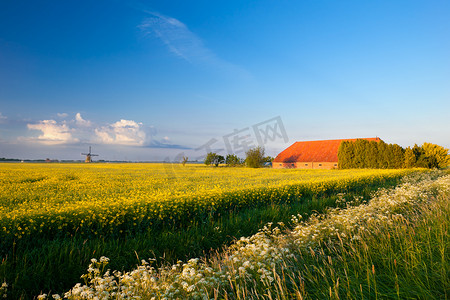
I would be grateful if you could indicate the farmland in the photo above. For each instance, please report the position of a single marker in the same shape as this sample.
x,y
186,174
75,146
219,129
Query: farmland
x,y
393,247
55,216
113,199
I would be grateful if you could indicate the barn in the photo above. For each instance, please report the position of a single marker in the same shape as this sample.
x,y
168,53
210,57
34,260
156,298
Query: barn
x,y
312,154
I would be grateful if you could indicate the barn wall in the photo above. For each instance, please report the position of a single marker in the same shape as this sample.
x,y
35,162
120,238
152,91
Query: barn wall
x,y
278,165
325,165
305,165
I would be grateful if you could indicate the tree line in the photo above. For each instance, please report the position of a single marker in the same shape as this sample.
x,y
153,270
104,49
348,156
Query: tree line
x,y
254,158
380,155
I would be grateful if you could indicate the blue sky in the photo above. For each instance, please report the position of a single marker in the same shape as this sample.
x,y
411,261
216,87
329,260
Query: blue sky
x,y
153,80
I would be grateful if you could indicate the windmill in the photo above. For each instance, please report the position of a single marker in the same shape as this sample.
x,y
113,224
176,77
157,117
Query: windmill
x,y
89,155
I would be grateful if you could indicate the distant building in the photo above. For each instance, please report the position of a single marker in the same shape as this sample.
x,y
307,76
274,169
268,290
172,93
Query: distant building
x,y
312,154
48,160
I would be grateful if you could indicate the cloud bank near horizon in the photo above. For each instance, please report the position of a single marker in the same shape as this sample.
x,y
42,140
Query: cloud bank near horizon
x,y
79,130
52,133
123,132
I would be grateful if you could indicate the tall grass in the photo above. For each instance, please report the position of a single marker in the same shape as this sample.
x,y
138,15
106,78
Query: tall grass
x,y
393,247
397,248
407,259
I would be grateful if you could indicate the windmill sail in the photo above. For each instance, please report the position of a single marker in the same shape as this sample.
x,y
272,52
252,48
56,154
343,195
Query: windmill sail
x,y
89,155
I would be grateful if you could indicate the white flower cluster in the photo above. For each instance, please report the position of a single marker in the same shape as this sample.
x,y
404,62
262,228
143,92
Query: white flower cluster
x,y
257,259
379,211
3,290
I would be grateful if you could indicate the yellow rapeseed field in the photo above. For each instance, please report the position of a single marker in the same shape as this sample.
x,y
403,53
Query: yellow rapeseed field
x,y
381,249
98,199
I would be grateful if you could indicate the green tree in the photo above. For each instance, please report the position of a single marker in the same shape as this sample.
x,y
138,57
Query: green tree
x,y
210,158
359,148
233,160
421,159
184,160
268,159
346,155
214,159
254,158
370,154
383,155
437,156
398,156
410,158
220,160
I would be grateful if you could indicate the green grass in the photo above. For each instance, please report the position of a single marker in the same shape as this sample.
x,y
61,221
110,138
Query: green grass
x,y
406,258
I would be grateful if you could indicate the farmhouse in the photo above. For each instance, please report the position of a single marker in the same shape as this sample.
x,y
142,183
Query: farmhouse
x,y
312,154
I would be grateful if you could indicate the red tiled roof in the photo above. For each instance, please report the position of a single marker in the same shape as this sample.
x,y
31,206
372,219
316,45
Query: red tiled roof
x,y
314,151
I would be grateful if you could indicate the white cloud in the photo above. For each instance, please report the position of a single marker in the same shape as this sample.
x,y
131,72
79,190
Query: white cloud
x,y
177,37
123,132
2,118
81,122
186,44
78,130
62,115
52,132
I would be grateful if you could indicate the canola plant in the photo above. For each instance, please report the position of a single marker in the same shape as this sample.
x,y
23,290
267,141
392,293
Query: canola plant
x,y
57,200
